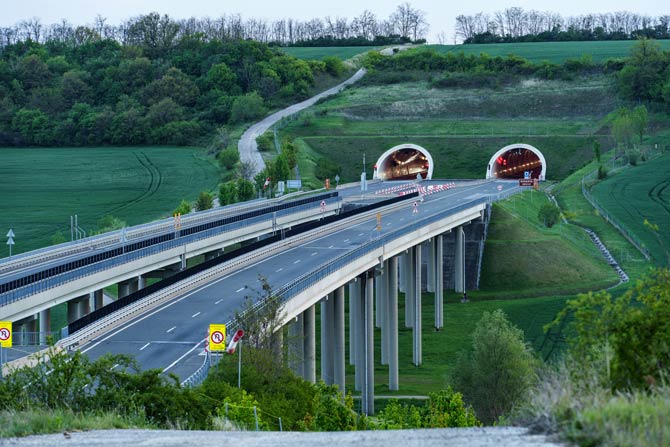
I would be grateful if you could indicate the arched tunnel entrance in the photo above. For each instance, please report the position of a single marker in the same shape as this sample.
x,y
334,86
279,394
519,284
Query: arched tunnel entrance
x,y
404,162
517,161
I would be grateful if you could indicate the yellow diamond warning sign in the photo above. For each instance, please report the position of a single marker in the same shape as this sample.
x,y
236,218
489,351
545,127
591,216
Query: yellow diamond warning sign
x,y
6,334
217,337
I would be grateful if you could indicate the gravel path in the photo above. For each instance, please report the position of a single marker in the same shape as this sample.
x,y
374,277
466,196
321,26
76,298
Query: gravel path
x,y
471,437
247,144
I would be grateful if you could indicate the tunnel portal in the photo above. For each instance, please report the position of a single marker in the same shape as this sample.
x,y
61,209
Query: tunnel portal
x,y
404,162
517,161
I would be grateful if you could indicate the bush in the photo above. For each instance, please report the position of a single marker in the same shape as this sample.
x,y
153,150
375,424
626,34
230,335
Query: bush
x,y
228,158
325,168
247,108
602,172
265,142
498,371
205,201
632,158
183,208
444,408
549,214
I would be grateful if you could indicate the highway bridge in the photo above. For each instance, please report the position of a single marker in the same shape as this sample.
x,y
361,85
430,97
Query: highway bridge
x,y
372,255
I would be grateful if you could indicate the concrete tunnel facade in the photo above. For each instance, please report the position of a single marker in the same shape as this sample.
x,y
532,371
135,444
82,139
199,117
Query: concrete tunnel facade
x,y
404,162
517,161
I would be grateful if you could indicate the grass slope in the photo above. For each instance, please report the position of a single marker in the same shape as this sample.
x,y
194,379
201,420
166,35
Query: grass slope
x,y
638,194
556,52
42,188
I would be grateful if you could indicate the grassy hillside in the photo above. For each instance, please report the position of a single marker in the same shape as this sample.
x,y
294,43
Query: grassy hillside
x,y
638,194
462,128
318,53
556,52
42,188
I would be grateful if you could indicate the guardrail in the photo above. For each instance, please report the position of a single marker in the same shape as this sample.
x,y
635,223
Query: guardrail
x,y
59,279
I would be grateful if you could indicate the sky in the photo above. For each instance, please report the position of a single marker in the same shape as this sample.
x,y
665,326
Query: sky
x,y
440,14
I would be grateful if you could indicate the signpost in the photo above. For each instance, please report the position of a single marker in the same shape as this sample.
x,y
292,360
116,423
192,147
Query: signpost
x,y
237,339
415,208
5,339
323,206
379,221
217,337
499,187
10,241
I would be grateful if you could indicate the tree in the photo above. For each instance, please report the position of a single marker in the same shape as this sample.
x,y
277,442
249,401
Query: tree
x,y
228,158
498,370
246,108
640,118
183,208
642,77
227,193
204,201
246,169
548,214
110,223
596,150
280,171
245,190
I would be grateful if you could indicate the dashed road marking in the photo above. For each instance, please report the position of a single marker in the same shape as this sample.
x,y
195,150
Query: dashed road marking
x,y
360,234
171,329
295,262
240,289
217,302
195,314
315,253
279,270
145,346
346,240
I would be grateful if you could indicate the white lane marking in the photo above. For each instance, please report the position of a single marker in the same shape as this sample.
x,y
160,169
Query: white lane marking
x,y
295,262
217,302
184,356
240,289
402,218
331,246
388,224
171,329
145,346
195,314
279,270
315,253
360,234
346,240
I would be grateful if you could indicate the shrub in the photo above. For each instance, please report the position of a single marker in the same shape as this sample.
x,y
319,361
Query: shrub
x,y
549,214
499,369
265,142
204,202
247,107
602,172
325,168
228,158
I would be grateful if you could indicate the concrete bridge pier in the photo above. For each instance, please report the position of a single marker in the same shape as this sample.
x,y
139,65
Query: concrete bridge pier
x,y
45,325
309,346
296,347
78,307
339,344
438,278
364,339
327,338
380,310
354,296
96,299
25,331
459,263
416,302
402,258
430,270
392,323
409,273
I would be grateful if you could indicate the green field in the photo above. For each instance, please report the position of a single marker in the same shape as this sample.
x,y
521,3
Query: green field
x,y
42,188
318,53
556,52
638,194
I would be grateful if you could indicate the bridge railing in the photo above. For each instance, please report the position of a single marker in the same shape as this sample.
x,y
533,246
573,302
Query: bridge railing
x,y
57,280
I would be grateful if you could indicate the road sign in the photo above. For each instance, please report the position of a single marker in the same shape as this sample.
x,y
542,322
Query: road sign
x,y
499,187
327,183
217,337
294,184
6,334
323,206
379,221
526,182
10,233
415,209
10,241
236,339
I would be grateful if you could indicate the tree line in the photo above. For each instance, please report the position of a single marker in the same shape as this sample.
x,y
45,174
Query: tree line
x,y
102,91
518,25
163,32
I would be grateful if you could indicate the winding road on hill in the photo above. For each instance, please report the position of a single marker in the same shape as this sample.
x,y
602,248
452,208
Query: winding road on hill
x,y
247,145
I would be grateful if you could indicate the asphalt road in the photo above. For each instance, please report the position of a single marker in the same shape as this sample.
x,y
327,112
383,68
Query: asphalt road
x,y
171,336
247,146
440,437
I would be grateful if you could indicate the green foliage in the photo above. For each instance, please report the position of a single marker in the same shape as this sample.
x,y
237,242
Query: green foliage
x,y
630,326
228,193
245,190
58,238
549,214
498,370
444,408
329,413
240,409
247,108
596,150
602,172
290,153
183,208
334,65
643,76
640,118
228,158
266,142
280,168
204,201
325,168
110,223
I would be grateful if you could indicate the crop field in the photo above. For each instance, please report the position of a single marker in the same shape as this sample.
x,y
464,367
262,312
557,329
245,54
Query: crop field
x,y
641,194
556,52
318,53
42,188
